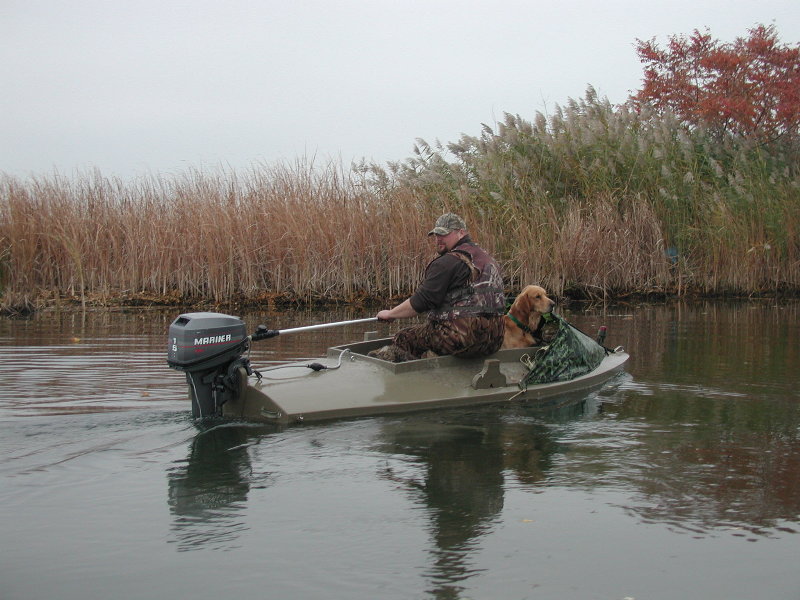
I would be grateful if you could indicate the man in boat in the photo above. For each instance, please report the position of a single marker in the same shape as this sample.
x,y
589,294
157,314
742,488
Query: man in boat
x,y
462,294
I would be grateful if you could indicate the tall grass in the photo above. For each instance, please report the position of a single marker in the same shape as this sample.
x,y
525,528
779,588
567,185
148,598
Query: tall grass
x,y
596,182
593,200
298,231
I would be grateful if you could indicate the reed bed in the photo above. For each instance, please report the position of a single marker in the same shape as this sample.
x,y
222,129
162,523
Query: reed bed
x,y
622,201
593,201
294,233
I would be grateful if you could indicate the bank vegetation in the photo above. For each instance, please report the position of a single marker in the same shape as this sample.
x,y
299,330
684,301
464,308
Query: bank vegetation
x,y
591,201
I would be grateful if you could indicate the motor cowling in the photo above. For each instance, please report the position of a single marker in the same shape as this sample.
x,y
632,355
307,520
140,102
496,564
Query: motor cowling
x,y
208,347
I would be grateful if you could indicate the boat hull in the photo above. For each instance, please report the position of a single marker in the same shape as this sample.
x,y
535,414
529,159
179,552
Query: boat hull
x,y
355,385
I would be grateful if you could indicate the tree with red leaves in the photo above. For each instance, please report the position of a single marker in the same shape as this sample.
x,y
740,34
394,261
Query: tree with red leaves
x,y
750,87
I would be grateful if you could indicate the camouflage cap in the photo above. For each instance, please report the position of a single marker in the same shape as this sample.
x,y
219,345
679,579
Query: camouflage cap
x,y
447,223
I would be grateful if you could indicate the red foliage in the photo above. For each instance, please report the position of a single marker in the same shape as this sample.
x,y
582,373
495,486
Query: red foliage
x,y
750,87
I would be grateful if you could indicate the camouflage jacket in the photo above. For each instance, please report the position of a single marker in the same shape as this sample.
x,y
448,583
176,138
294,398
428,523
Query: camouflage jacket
x,y
482,293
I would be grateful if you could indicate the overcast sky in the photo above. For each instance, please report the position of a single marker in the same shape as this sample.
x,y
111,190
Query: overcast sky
x,y
154,87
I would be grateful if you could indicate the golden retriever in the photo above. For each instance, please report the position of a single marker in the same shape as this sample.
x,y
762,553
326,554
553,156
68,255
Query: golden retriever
x,y
527,309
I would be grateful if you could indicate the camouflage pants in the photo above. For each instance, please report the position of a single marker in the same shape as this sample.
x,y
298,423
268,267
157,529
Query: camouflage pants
x,y
463,336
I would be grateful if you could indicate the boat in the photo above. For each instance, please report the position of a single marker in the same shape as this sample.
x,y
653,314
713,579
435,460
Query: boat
x,y
212,349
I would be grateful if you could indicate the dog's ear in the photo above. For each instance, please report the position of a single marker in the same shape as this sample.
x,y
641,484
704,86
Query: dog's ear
x,y
525,300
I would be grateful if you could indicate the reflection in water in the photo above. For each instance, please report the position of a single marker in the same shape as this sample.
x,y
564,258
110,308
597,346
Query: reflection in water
x,y
700,438
80,363
462,490
706,436
465,468
208,492
698,463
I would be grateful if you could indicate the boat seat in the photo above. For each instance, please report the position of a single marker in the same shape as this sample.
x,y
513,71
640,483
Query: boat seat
x,y
490,376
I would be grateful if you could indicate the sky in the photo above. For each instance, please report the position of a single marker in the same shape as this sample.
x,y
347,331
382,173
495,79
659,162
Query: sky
x,y
138,87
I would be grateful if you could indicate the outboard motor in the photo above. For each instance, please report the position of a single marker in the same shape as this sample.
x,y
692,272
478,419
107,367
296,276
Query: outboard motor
x,y
208,347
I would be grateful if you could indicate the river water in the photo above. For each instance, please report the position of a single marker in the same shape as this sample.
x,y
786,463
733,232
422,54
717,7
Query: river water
x,y
680,479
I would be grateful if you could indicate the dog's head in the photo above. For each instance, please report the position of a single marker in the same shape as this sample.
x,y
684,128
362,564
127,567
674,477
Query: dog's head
x,y
533,299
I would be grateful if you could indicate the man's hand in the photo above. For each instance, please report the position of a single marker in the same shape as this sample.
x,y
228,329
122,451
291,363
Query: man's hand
x,y
401,311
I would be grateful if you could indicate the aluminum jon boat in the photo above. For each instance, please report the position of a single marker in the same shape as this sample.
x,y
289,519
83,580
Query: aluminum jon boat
x,y
211,349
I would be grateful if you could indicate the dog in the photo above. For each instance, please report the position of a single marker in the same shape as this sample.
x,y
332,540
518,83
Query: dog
x,y
523,319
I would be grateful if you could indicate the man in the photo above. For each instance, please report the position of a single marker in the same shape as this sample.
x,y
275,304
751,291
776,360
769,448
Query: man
x,y
462,294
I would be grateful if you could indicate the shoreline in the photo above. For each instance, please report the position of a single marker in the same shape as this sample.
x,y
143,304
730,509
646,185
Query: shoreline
x,y
281,302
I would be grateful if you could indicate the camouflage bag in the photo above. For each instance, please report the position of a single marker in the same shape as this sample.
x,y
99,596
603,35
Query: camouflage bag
x,y
569,354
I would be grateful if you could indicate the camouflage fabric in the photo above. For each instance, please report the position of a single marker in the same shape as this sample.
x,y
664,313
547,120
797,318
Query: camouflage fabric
x,y
465,337
446,223
391,353
483,293
570,353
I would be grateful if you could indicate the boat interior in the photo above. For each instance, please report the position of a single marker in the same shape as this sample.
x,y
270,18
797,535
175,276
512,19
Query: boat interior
x,y
486,369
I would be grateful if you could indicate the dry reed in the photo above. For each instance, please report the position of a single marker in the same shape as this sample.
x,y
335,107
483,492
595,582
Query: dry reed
x,y
598,186
299,232
594,201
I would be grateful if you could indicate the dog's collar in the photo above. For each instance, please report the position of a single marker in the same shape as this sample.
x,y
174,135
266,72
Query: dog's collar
x,y
519,324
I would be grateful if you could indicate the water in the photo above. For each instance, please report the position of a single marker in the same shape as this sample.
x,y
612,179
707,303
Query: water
x,y
679,480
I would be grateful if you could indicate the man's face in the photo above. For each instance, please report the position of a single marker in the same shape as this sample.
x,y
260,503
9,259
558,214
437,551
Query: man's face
x,y
445,243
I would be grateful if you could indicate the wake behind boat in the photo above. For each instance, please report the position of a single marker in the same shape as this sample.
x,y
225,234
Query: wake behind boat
x,y
211,349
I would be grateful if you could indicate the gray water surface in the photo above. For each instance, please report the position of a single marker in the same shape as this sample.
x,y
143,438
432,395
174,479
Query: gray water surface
x,y
680,479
